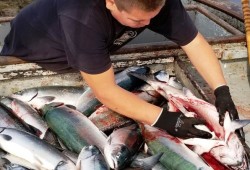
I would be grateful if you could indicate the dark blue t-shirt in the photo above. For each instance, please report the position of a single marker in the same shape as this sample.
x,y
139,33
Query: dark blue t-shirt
x,y
63,34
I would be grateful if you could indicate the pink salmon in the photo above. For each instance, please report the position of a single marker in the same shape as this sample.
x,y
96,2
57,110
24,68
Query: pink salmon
x,y
225,146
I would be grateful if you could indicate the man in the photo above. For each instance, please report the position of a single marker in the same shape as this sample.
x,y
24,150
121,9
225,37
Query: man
x,y
63,34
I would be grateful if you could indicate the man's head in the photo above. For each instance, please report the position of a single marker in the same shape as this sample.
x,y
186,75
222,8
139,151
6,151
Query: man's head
x,y
134,13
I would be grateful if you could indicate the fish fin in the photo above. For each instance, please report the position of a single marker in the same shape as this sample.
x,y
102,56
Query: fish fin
x,y
145,77
55,104
201,146
70,106
147,163
138,69
231,125
45,99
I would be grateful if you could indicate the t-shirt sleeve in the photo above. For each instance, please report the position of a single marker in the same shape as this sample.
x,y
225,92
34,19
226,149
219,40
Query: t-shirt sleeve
x,y
85,48
174,23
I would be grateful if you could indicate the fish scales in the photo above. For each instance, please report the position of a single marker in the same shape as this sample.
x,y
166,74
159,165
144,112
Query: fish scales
x,y
90,158
39,96
33,149
122,145
176,154
7,119
27,114
73,128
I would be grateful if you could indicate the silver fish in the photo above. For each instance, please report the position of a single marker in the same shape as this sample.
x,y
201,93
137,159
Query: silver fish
x,y
9,120
19,161
39,96
90,158
27,114
122,145
33,149
147,162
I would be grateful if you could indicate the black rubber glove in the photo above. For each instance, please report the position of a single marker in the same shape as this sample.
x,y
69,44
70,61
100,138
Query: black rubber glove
x,y
178,125
225,103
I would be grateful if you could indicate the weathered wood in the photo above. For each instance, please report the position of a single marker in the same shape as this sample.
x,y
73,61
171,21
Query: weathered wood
x,y
5,19
8,60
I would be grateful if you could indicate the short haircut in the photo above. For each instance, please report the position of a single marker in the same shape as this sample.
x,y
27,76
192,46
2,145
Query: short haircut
x,y
145,5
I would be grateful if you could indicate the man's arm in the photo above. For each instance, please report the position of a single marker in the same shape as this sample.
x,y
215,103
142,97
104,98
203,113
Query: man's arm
x,y
203,58
128,104
120,100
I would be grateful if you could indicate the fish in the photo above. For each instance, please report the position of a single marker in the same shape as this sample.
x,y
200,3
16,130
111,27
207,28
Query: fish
x,y
107,120
27,114
71,155
176,155
33,149
231,153
147,162
91,158
122,145
38,96
17,161
162,75
11,166
88,103
73,128
7,119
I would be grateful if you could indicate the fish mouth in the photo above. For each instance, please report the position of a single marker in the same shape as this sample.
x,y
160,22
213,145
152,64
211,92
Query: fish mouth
x,y
117,156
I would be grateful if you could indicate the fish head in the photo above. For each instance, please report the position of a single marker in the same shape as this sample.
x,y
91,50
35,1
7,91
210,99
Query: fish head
x,y
62,165
116,155
26,95
88,151
7,101
48,107
12,166
162,76
231,154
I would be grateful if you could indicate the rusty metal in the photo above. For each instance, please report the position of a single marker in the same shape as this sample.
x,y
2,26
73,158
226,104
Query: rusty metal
x,y
225,6
214,18
246,12
166,45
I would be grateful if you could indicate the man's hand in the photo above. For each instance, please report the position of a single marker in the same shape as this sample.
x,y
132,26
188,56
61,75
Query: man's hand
x,y
178,125
225,103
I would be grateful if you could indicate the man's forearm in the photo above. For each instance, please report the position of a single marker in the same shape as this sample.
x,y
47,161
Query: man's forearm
x,y
203,58
129,105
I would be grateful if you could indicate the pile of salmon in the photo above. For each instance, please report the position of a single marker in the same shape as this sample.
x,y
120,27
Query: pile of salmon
x,y
67,128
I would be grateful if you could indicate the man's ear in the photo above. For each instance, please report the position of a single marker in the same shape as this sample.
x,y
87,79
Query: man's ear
x,y
110,4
